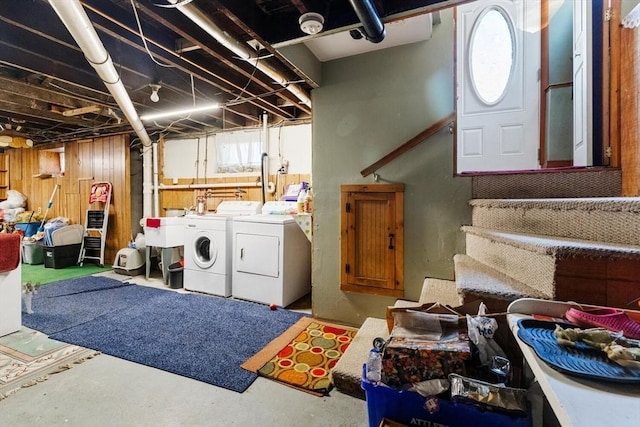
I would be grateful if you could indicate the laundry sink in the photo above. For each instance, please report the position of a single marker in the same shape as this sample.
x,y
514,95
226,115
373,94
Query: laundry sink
x,y
164,232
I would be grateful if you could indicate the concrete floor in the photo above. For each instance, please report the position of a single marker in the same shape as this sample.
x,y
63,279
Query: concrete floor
x,y
107,391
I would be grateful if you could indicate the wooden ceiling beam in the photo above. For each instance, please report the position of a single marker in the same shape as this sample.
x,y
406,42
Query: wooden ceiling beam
x,y
82,110
200,71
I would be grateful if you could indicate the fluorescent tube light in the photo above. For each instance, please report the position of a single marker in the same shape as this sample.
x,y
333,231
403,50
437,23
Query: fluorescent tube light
x,y
183,112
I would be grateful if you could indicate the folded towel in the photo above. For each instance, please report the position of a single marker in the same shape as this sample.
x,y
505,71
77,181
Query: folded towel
x,y
9,251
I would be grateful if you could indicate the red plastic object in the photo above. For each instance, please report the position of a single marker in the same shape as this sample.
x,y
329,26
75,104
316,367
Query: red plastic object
x,y
613,319
153,222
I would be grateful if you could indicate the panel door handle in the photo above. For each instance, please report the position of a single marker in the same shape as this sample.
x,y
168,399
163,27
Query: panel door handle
x,y
241,253
391,236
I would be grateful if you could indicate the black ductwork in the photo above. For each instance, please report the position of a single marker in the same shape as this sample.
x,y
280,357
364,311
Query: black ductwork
x,y
372,26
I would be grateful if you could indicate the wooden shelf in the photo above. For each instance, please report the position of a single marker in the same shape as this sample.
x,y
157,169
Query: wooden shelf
x,y
4,175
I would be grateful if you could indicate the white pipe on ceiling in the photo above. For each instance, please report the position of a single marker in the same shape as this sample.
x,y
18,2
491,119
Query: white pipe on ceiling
x,y
203,21
74,17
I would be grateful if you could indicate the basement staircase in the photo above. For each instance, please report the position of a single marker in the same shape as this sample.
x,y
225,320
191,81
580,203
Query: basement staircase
x,y
583,249
578,249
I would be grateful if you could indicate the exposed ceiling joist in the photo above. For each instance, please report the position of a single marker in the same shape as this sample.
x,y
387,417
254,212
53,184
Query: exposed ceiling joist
x,y
46,80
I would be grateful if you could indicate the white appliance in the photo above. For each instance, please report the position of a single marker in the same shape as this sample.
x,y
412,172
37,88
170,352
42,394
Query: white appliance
x,y
207,248
271,256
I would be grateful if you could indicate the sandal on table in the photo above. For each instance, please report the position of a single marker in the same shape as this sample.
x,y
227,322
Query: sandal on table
x,y
613,319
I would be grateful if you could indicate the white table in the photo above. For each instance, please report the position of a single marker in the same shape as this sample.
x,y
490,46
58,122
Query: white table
x,y
11,301
581,402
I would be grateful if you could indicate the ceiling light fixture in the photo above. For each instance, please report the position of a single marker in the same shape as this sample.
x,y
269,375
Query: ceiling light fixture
x,y
15,141
311,23
154,92
182,112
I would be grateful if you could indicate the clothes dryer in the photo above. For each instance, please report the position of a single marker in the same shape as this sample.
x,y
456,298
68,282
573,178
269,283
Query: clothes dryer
x,y
271,256
207,250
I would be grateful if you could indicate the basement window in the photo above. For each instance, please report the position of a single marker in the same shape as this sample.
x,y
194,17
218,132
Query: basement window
x,y
238,152
214,155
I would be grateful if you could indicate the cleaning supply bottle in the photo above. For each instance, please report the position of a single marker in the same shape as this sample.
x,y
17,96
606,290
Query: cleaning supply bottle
x,y
308,201
300,201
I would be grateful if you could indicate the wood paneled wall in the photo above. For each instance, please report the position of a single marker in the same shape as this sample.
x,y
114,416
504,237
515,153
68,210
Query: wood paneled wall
x,y
630,111
108,159
103,159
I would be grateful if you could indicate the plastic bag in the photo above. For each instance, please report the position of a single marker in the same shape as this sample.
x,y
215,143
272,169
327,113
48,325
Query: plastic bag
x,y
481,332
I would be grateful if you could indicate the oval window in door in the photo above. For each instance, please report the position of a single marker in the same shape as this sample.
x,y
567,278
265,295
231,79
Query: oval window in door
x,y
491,52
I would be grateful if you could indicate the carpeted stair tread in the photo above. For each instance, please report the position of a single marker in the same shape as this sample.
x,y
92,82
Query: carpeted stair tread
x,y
560,247
439,290
347,373
480,280
535,269
605,219
607,204
573,182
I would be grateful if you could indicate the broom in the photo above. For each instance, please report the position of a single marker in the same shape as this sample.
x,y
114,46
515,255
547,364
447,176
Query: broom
x,y
44,218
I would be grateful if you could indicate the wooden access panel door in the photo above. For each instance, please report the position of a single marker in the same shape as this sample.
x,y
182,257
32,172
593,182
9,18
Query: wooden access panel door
x,y
372,239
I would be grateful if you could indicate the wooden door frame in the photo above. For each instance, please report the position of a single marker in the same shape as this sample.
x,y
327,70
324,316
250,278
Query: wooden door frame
x,y
610,86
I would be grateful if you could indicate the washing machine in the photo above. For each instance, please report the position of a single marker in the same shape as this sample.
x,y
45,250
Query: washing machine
x,y
207,247
271,256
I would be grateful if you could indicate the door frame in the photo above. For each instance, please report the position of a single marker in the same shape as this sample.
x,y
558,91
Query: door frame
x,y
533,154
609,144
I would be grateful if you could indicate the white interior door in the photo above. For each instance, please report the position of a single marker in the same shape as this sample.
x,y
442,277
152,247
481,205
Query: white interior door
x,y
582,153
498,62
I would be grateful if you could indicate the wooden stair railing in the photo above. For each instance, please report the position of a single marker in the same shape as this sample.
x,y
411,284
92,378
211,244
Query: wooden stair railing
x,y
413,142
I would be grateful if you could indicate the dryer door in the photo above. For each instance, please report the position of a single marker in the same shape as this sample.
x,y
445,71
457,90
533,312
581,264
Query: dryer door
x,y
204,250
257,254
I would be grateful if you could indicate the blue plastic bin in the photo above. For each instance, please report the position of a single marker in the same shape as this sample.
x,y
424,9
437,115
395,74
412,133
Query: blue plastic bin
x,y
29,228
408,407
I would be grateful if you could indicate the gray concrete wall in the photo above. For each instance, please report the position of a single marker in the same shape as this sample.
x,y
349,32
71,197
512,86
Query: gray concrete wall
x,y
367,106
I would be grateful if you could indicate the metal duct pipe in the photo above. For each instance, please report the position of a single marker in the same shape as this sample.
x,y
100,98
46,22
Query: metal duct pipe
x,y
372,25
73,16
202,20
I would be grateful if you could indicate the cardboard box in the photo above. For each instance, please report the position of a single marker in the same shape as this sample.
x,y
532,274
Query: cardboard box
x,y
406,361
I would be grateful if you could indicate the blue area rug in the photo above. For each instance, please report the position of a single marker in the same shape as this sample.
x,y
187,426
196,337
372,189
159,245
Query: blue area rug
x,y
202,337
68,303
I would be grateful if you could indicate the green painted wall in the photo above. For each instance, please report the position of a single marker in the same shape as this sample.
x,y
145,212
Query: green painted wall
x,y
367,106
